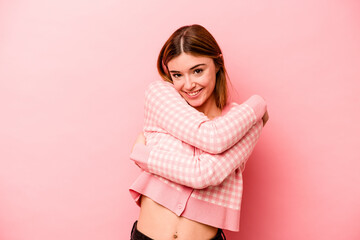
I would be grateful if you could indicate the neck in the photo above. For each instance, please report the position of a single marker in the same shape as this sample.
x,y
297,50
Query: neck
x,y
209,108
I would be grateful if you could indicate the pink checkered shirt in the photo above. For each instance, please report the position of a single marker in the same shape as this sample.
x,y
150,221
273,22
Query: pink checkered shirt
x,y
192,165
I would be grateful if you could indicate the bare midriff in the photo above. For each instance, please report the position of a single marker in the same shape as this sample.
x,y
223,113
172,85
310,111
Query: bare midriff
x,y
158,222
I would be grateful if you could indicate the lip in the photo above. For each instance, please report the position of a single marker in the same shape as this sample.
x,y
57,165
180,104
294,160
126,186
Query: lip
x,y
193,96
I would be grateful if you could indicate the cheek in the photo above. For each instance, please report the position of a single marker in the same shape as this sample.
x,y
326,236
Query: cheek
x,y
177,87
209,80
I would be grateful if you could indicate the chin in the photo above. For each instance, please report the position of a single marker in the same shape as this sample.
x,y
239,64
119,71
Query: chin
x,y
194,104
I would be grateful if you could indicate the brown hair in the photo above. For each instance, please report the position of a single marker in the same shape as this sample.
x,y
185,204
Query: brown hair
x,y
195,40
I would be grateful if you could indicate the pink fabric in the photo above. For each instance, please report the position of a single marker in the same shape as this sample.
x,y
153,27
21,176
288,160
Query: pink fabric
x,y
167,112
189,180
189,166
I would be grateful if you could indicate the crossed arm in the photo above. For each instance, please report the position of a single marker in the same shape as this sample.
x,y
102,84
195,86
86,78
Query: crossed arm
x,y
166,111
224,143
199,170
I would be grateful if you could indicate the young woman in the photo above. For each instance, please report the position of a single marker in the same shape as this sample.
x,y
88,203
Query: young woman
x,y
196,144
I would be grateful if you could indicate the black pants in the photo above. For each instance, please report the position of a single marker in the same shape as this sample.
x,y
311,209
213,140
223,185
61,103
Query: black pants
x,y
137,235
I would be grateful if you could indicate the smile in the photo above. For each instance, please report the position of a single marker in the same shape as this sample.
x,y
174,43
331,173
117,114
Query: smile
x,y
193,94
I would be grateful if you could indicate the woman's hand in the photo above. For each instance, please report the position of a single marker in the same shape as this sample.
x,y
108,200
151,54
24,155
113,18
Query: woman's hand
x,y
265,118
140,139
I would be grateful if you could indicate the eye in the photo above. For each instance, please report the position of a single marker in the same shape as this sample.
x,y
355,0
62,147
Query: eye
x,y
176,75
197,71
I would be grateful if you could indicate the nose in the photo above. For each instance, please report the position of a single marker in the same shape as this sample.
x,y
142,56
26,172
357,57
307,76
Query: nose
x,y
189,84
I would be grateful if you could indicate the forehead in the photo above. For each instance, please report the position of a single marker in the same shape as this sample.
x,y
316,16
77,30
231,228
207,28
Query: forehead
x,y
186,61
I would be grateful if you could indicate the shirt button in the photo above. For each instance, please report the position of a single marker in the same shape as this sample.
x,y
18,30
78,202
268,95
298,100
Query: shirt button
x,y
180,206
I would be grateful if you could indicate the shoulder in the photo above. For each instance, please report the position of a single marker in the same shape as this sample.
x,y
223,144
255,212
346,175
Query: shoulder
x,y
162,91
159,83
155,87
227,107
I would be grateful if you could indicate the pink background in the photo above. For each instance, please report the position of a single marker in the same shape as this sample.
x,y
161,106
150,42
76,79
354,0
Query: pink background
x,y
72,80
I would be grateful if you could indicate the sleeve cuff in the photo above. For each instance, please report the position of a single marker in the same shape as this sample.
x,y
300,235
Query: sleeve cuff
x,y
258,104
140,155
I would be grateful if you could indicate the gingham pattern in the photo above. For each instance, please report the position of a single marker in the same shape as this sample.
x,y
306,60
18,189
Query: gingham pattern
x,y
189,166
166,111
228,194
183,142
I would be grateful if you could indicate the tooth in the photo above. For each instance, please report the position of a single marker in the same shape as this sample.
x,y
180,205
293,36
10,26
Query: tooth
x,y
193,93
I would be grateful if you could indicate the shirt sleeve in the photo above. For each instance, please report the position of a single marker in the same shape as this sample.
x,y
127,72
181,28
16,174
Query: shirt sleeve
x,y
200,170
165,110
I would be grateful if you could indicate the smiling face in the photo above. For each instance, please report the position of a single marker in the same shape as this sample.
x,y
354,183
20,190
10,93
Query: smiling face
x,y
194,78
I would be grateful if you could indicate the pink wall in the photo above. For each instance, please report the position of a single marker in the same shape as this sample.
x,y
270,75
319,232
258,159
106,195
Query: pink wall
x,y
72,79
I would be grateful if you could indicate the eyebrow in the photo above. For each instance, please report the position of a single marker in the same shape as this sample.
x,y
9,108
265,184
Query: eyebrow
x,y
201,64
